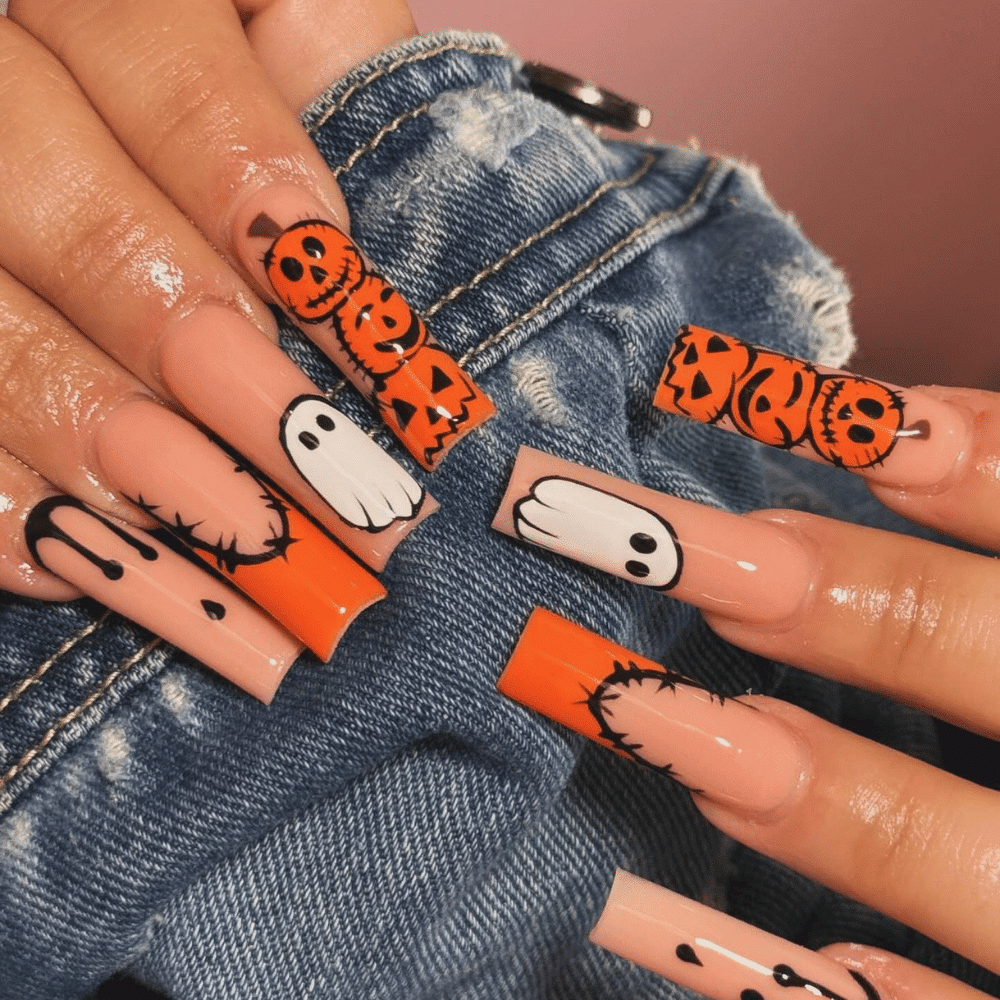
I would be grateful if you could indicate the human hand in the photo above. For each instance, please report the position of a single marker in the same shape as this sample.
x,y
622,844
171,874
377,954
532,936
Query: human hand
x,y
140,141
908,618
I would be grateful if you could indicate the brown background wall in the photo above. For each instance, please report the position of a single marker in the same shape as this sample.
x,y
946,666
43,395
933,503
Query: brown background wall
x,y
876,123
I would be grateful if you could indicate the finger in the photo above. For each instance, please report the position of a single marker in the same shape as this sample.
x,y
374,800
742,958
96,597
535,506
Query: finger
x,y
898,978
54,547
914,620
128,269
887,830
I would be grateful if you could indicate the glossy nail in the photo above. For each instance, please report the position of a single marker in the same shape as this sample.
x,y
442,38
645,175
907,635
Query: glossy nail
x,y
712,953
896,437
237,382
740,568
721,747
362,323
136,575
229,518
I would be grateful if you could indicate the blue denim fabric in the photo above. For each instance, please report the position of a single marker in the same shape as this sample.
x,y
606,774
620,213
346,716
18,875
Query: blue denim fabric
x,y
390,826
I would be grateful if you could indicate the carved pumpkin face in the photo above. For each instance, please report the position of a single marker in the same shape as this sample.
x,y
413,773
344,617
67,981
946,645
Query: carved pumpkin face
x,y
378,329
771,400
855,422
700,374
310,266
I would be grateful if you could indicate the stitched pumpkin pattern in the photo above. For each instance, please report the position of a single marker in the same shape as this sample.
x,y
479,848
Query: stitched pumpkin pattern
x,y
849,421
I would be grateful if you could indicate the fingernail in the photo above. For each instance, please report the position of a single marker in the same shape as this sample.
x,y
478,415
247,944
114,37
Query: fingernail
x,y
237,382
720,747
362,323
740,568
892,436
713,954
131,572
229,518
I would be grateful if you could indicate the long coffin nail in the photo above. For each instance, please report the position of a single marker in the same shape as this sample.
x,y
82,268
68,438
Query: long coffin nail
x,y
231,520
362,323
721,747
892,436
134,574
714,954
740,568
237,382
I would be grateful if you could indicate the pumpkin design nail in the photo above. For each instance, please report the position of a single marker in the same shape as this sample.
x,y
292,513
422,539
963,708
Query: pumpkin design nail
x,y
852,422
712,953
364,325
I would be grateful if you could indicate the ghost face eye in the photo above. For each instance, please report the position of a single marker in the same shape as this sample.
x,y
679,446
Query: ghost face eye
x,y
325,422
637,569
313,247
643,543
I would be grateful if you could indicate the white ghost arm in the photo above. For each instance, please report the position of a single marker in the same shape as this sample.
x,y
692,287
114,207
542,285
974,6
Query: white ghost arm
x,y
600,530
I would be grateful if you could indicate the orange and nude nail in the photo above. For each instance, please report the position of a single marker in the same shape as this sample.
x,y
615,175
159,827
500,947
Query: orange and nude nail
x,y
228,517
892,436
715,955
737,567
325,284
721,747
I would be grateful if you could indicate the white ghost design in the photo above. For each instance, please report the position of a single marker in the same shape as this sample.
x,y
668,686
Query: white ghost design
x,y
600,530
366,487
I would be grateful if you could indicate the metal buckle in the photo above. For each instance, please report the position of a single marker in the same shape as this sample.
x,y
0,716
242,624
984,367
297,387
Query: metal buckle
x,y
582,97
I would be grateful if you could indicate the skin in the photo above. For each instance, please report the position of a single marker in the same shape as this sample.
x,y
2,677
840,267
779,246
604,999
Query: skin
x,y
107,235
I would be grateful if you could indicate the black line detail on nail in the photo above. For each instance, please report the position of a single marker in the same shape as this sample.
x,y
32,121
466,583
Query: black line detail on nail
x,y
687,954
39,525
785,975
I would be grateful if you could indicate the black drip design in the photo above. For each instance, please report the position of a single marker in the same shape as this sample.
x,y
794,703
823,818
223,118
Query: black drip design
x,y
687,954
214,610
785,975
751,995
40,525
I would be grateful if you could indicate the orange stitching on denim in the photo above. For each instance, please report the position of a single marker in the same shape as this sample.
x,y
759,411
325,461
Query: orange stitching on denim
x,y
502,262
481,50
638,233
21,686
396,123
62,723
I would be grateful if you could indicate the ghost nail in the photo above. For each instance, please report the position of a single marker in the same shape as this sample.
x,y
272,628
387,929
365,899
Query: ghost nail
x,y
242,386
360,321
733,754
136,575
229,518
743,569
714,954
892,436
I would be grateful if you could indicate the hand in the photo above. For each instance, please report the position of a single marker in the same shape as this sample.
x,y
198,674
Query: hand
x,y
137,139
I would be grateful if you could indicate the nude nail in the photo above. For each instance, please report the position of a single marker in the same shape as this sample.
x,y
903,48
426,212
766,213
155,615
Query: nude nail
x,y
134,574
892,436
325,285
712,953
229,518
237,382
740,568
721,747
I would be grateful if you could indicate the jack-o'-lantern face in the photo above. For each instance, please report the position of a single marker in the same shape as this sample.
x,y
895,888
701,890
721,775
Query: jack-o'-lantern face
x,y
377,328
310,266
701,372
771,400
854,422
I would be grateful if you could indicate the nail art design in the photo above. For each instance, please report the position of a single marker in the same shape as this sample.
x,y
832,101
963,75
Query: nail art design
x,y
134,574
718,561
715,954
382,345
355,477
241,385
588,524
716,746
847,420
219,508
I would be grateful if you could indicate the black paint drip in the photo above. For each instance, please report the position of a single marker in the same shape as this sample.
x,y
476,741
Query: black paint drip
x,y
687,954
214,610
785,975
40,525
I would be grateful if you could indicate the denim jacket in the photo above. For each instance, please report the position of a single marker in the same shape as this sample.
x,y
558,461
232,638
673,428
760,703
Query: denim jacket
x,y
390,826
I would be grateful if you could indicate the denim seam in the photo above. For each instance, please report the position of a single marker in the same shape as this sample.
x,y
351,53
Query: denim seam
x,y
376,139
75,713
22,685
475,50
